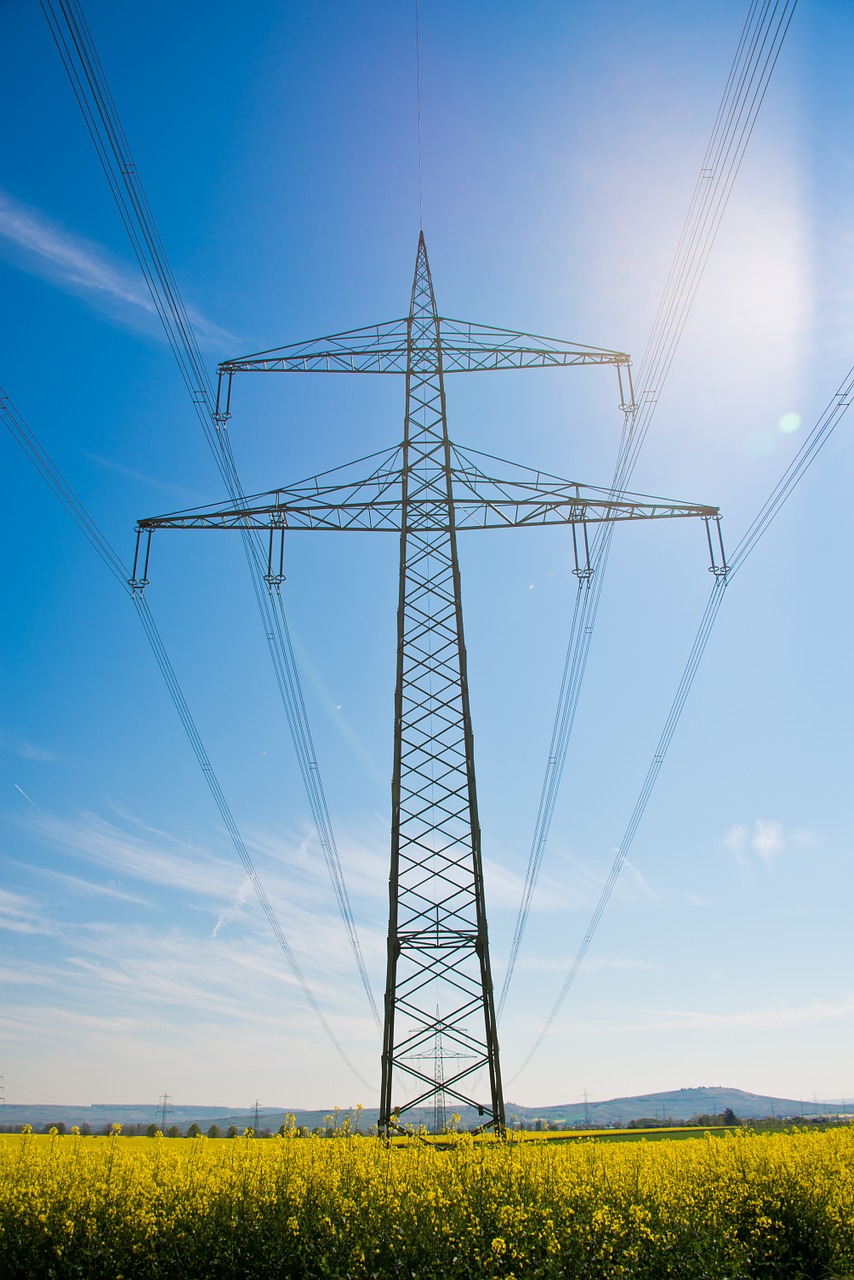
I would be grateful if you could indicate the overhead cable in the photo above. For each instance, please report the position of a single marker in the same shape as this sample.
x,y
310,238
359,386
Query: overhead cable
x,y
781,493
50,473
794,473
685,683
89,84
756,56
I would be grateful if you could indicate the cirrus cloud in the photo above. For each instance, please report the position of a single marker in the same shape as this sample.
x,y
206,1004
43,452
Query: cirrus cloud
x,y
35,243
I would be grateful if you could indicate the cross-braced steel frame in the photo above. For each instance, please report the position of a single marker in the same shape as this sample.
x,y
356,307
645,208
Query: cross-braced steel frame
x,y
427,490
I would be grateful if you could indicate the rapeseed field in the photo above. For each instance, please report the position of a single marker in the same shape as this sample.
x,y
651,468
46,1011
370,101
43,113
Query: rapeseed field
x,y
710,1208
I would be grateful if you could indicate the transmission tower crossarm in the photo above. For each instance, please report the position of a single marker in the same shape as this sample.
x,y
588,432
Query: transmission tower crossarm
x,y
467,347
376,348
482,503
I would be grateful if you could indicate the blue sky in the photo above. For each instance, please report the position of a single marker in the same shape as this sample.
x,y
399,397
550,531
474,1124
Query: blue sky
x,y
561,144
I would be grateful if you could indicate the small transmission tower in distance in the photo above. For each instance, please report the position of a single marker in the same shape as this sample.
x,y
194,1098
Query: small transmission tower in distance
x,y
440,1118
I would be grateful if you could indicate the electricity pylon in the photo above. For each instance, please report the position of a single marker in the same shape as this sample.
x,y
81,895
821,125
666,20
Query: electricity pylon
x,y
427,490
440,1119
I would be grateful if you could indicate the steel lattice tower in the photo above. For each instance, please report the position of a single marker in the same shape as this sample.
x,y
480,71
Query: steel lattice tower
x,y
437,937
427,490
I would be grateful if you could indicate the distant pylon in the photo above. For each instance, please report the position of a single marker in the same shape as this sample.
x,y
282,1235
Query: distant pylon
x,y
440,1119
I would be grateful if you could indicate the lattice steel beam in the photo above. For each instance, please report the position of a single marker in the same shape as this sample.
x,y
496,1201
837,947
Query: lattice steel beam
x,y
517,499
384,348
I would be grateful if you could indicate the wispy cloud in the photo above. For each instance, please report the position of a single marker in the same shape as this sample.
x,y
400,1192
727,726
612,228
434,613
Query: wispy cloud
x,y
768,840
776,1016
216,887
26,750
772,1017
37,244
640,882
143,853
764,840
185,946
595,964
21,915
76,884
184,983
572,884
166,974
244,893
697,900
189,496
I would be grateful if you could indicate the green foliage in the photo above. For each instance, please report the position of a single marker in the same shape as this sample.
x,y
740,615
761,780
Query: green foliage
x,y
727,1118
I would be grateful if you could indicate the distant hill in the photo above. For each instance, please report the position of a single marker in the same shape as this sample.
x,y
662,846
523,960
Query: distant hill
x,y
678,1104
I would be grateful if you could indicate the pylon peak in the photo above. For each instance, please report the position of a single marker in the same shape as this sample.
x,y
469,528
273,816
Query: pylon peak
x,y
423,298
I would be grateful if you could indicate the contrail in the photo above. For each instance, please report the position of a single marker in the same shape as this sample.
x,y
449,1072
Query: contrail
x,y
24,794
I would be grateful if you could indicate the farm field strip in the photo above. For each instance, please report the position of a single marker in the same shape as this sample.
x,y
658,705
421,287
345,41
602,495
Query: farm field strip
x,y
736,1205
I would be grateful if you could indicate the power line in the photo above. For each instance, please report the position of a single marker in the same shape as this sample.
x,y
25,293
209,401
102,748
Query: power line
x,y
685,683
796,470
418,109
756,56
794,473
50,473
89,84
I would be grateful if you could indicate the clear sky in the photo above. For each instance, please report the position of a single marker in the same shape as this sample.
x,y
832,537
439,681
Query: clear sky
x,y
278,149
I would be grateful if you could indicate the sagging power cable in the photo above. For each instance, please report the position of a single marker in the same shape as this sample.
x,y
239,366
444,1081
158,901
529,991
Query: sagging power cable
x,y
50,473
685,683
782,491
756,56
89,84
